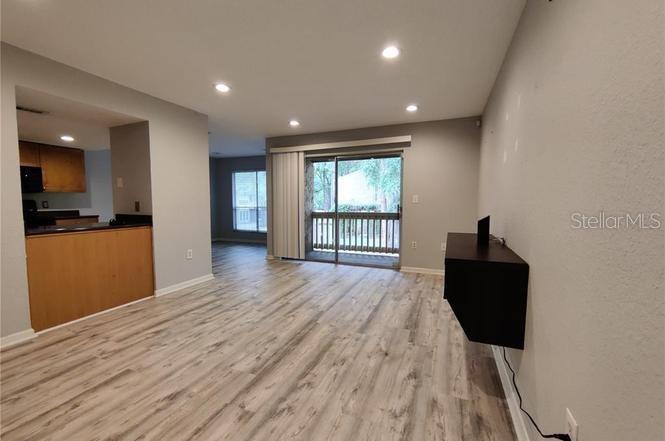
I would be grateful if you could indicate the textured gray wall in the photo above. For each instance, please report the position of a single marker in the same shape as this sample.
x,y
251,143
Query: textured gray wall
x,y
130,161
575,124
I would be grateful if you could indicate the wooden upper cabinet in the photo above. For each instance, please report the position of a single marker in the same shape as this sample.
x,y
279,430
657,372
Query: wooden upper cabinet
x,y
63,169
28,153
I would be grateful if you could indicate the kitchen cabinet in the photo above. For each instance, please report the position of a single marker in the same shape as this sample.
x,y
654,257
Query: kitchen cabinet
x,y
75,274
63,168
29,154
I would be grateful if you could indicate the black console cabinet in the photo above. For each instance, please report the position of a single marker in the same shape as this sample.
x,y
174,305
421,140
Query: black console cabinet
x,y
486,288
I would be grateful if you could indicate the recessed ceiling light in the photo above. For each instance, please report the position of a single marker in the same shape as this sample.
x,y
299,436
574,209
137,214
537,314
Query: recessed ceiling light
x,y
294,123
67,138
411,107
221,87
390,52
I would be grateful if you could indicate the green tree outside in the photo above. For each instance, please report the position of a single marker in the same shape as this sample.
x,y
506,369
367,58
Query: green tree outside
x,y
383,176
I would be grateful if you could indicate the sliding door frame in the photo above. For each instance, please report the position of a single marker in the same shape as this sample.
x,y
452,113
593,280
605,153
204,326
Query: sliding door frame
x,y
336,222
337,157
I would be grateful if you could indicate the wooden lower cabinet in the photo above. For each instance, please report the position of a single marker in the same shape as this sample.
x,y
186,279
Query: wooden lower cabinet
x,y
73,275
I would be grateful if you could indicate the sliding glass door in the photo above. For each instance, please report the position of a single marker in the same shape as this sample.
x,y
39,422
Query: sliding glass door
x,y
321,209
368,210
353,209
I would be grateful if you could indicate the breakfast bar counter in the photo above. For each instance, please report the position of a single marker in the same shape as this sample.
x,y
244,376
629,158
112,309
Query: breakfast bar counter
x,y
79,270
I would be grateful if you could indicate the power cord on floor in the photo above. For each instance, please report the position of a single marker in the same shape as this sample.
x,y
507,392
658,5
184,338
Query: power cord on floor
x,y
561,436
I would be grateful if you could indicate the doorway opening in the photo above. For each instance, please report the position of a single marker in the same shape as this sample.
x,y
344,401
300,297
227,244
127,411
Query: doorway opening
x,y
353,209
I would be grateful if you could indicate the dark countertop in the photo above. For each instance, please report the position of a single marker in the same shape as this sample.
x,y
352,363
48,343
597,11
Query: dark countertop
x,y
463,246
55,229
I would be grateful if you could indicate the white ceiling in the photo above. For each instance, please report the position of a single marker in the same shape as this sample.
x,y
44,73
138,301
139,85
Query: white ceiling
x,y
88,125
315,60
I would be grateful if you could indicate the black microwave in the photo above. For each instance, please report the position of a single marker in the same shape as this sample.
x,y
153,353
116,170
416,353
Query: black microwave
x,y
31,180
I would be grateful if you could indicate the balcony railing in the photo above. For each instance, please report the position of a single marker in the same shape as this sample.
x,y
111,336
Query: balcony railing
x,y
250,219
361,232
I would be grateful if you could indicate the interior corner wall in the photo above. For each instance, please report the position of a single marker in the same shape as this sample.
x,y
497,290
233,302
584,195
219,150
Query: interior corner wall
x,y
178,175
575,124
221,190
441,167
130,162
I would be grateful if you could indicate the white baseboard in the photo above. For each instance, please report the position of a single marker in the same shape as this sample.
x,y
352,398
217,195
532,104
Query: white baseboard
x,y
29,334
182,285
92,315
17,338
413,269
519,423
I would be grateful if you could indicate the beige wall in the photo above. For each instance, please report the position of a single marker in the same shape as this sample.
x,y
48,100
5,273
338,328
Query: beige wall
x,y
575,124
130,162
178,169
441,167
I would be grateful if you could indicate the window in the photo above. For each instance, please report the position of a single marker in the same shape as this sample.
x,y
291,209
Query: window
x,y
249,201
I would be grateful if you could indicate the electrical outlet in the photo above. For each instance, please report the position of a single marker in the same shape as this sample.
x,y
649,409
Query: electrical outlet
x,y
572,428
415,199
189,254
414,244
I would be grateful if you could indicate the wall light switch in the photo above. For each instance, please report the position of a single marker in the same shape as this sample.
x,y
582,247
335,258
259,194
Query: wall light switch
x,y
189,254
572,429
414,244
415,199
119,182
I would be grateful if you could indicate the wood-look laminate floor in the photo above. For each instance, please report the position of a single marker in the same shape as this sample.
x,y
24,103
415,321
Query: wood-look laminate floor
x,y
269,350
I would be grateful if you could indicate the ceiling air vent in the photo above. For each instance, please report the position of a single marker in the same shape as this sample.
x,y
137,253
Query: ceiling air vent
x,y
27,109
